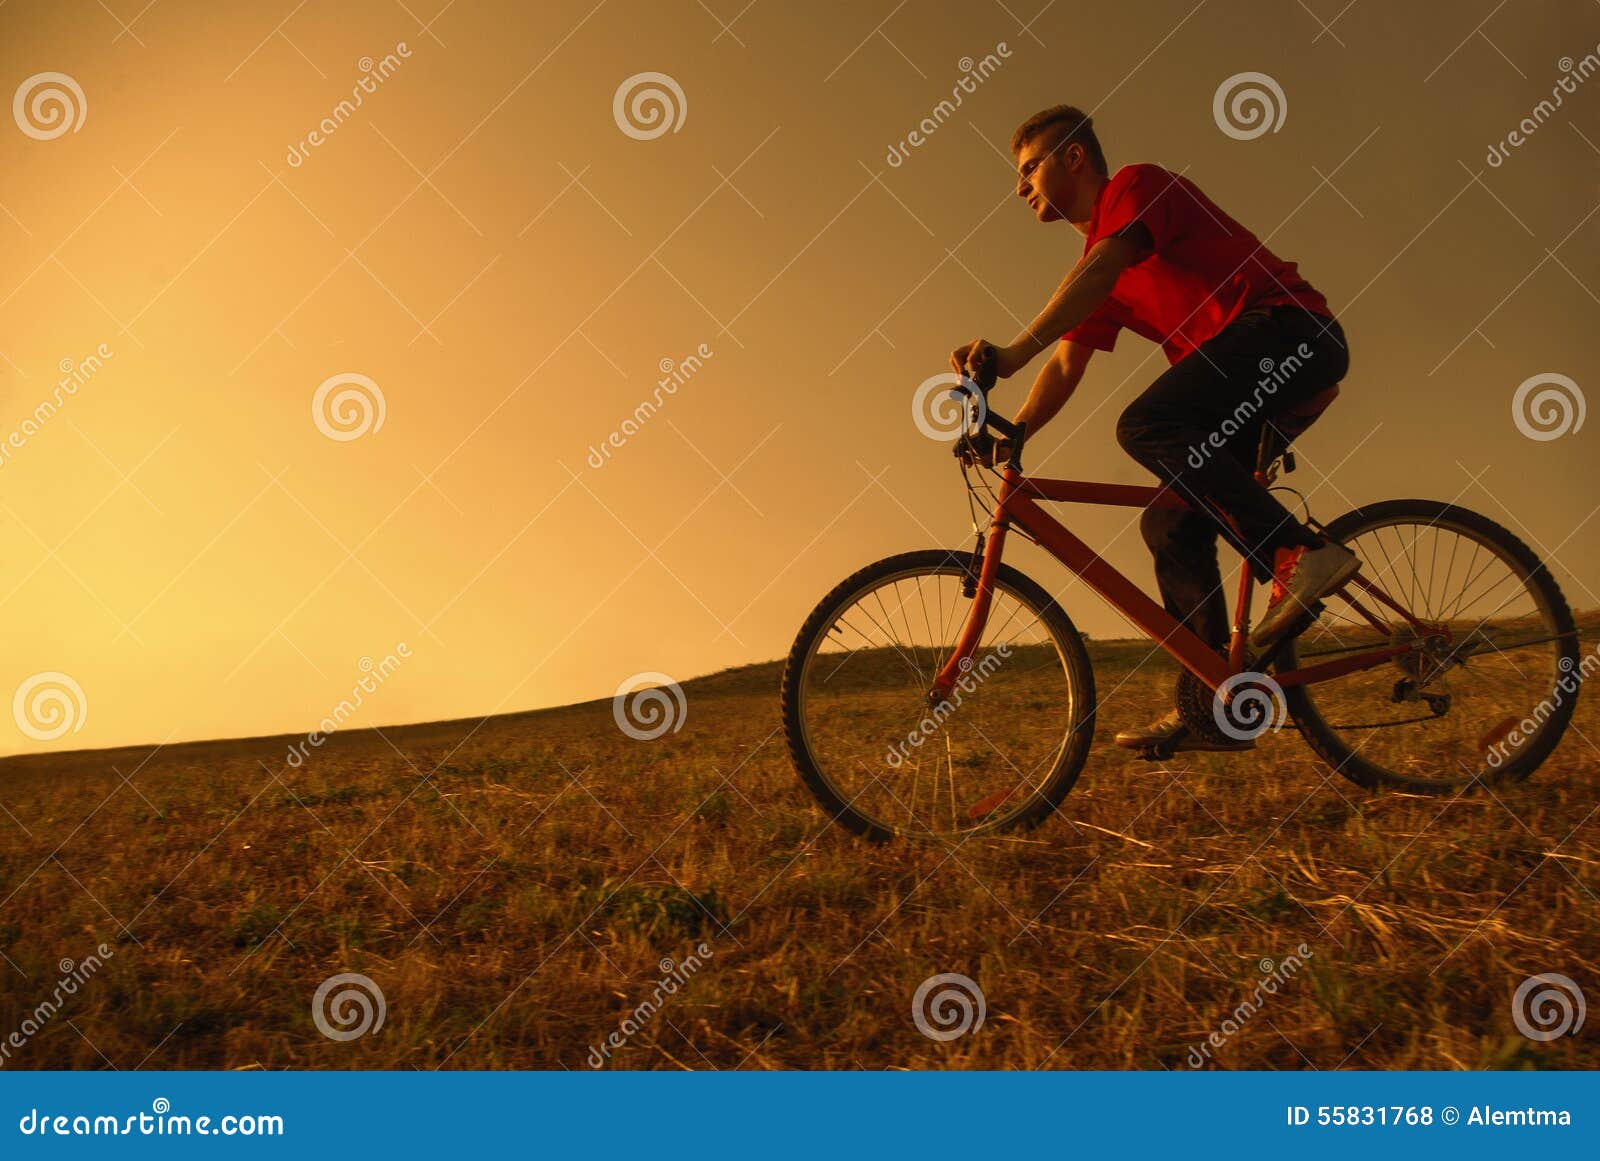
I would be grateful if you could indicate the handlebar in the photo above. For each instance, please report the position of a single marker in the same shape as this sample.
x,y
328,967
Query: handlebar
x,y
976,385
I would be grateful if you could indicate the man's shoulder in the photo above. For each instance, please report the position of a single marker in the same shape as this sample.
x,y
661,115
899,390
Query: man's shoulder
x,y
1142,171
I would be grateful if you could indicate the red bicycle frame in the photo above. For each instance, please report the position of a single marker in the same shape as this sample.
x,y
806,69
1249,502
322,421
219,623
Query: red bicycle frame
x,y
1018,504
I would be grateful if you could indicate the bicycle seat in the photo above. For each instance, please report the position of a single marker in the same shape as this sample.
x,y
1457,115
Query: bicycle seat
x,y
1278,432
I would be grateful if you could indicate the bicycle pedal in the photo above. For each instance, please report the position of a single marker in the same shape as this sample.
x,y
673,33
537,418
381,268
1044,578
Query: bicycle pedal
x,y
1155,753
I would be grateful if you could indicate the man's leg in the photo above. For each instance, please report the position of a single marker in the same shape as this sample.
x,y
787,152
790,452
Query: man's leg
x,y
1184,544
1197,425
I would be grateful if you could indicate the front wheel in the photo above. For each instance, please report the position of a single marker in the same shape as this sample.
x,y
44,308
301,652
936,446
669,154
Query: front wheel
x,y
1000,752
1486,699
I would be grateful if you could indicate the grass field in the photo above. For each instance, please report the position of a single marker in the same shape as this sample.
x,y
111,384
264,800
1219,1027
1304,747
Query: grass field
x,y
513,885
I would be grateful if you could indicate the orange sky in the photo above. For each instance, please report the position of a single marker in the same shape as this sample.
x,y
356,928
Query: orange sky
x,y
483,242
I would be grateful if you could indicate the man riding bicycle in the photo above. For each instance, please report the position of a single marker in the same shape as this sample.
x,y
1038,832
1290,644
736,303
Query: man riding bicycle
x,y
1248,339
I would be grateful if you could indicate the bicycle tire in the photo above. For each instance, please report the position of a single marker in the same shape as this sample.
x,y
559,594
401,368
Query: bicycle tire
x,y
1075,658
1336,751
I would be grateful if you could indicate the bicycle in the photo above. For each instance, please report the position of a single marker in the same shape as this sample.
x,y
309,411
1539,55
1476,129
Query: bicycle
x,y
914,708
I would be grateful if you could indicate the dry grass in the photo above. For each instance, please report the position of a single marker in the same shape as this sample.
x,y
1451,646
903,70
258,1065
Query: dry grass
x,y
511,885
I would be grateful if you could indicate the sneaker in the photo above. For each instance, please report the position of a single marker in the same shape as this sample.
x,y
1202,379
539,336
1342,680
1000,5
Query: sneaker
x,y
1168,733
1300,578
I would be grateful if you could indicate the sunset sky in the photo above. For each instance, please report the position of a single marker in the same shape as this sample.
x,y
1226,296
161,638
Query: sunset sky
x,y
483,242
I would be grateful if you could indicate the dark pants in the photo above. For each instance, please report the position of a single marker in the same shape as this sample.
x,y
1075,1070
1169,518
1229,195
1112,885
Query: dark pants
x,y
1198,428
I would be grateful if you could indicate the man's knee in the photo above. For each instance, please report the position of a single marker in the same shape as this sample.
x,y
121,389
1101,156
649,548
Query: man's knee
x,y
1137,428
1180,532
1160,528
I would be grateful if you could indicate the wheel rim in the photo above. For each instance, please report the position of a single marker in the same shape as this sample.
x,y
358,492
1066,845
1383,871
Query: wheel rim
x,y
1476,698
974,763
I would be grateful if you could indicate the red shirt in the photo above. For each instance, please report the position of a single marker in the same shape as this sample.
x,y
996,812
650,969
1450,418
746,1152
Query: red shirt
x,y
1206,269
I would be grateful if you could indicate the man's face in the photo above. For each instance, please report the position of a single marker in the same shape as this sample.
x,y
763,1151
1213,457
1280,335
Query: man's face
x,y
1047,177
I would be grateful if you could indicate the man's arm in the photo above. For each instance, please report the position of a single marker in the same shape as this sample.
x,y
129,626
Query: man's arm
x,y
1056,382
1085,287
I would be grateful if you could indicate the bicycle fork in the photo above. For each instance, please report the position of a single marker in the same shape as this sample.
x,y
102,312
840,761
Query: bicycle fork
x,y
960,659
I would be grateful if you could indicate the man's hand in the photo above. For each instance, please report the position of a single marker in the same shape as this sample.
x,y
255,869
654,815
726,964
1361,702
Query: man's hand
x,y
968,357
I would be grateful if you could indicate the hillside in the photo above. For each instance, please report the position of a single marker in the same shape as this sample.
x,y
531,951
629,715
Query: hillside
x,y
514,885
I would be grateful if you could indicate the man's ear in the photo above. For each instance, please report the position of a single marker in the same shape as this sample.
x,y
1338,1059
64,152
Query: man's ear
x,y
1074,155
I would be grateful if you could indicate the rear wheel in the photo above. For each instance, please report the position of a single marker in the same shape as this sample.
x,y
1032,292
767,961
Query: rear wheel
x,y
1487,699
999,752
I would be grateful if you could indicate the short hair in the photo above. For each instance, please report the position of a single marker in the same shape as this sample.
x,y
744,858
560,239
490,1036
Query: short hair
x,y
1076,126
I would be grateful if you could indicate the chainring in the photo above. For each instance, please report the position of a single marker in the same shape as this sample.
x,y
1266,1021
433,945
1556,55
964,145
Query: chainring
x,y
1197,707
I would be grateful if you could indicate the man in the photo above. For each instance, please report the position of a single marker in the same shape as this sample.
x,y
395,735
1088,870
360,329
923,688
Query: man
x,y
1248,339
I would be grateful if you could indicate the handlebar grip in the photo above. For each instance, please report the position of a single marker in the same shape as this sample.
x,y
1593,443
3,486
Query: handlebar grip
x,y
987,369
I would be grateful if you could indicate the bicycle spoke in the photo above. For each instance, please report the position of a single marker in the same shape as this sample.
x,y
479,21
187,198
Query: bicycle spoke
x,y
1435,713
972,761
